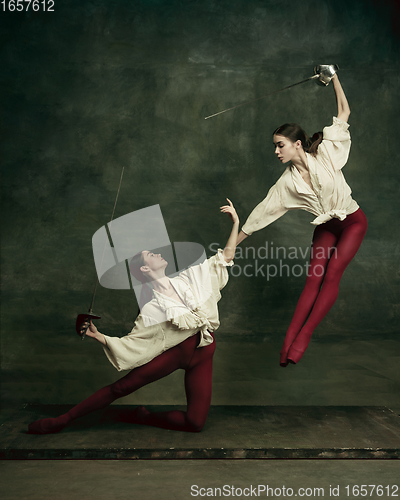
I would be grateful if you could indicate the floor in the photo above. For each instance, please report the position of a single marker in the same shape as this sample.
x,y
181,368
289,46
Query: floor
x,y
181,480
149,463
230,432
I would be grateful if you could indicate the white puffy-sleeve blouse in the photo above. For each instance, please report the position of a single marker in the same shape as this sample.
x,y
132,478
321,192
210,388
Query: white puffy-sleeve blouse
x,y
163,322
330,196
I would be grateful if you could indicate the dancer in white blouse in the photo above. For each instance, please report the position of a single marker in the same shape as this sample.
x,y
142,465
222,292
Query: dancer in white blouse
x,y
174,330
314,182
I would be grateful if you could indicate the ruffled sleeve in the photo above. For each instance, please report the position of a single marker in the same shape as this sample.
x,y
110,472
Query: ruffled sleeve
x,y
266,212
137,348
210,273
218,269
336,143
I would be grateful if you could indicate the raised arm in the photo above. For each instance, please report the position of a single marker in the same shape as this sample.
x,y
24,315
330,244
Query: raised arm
x,y
342,104
242,236
230,247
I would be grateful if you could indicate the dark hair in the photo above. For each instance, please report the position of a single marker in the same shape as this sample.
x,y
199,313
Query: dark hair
x,y
135,264
295,133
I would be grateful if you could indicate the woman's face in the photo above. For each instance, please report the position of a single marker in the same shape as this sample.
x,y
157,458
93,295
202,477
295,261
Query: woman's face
x,y
285,149
154,260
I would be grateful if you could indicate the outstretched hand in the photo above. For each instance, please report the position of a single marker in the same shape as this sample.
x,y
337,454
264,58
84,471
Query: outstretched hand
x,y
230,210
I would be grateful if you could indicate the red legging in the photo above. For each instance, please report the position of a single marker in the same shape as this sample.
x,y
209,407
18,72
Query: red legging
x,y
334,245
197,364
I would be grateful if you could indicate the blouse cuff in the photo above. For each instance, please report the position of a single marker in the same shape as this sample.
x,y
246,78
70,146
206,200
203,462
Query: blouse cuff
x,y
247,232
106,346
221,259
343,125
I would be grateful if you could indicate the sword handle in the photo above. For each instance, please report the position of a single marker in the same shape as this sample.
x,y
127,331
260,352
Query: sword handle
x,y
325,73
82,318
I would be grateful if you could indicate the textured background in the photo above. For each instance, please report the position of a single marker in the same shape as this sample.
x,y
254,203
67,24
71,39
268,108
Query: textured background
x,y
98,85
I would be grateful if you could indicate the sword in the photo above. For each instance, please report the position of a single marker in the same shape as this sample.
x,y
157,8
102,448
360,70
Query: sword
x,y
81,318
323,72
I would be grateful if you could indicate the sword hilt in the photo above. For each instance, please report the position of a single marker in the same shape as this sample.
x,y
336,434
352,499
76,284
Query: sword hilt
x,y
82,318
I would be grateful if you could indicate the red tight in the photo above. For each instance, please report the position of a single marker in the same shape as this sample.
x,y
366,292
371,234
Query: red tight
x,y
334,245
197,364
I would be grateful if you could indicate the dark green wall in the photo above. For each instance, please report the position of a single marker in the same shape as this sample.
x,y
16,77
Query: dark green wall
x,y
98,85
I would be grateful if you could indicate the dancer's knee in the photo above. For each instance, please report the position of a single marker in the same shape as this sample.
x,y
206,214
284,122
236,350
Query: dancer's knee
x,y
195,424
196,415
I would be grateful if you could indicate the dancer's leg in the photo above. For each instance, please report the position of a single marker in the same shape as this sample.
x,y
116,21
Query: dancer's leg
x,y
159,367
346,248
323,244
198,386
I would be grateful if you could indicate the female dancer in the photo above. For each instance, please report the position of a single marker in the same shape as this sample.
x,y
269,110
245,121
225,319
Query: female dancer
x,y
314,182
173,330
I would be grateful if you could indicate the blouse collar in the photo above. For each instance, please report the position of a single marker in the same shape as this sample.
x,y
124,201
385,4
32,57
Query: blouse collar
x,y
298,181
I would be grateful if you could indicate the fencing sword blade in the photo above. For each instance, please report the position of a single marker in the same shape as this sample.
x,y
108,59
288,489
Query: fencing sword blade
x,y
263,96
82,318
